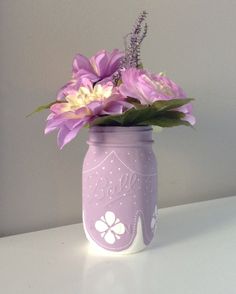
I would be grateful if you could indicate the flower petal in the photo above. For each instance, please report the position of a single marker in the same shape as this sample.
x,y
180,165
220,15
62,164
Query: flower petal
x,y
110,218
115,59
54,123
58,108
100,226
95,107
65,135
81,62
71,85
109,237
113,107
99,63
49,129
118,229
190,118
147,87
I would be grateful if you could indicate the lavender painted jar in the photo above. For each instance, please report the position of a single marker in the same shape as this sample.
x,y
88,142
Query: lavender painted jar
x,y
120,188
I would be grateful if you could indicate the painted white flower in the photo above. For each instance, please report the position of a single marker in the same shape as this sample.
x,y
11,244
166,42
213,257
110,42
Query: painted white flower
x,y
110,227
154,220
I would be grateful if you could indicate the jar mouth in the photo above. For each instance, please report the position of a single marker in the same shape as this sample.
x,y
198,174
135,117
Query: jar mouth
x,y
120,136
117,129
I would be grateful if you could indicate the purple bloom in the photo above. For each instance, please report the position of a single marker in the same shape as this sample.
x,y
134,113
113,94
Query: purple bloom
x,y
99,67
83,106
148,88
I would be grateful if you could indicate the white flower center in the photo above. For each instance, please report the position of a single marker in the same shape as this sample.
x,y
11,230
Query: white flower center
x,y
85,95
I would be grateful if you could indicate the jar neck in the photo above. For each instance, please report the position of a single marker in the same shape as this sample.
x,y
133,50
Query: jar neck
x,y
120,136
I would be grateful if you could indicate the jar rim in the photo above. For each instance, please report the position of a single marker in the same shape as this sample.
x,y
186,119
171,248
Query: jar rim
x,y
108,129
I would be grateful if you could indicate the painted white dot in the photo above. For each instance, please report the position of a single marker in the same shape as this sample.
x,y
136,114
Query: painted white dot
x,y
96,204
135,160
126,186
112,161
96,172
124,194
96,195
118,168
110,197
128,153
103,167
121,203
105,152
101,178
110,172
110,182
95,160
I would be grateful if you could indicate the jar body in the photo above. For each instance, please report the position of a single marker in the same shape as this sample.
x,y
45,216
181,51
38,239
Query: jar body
x,y
120,188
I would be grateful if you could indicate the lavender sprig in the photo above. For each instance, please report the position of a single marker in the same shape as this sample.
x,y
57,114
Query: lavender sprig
x,y
132,51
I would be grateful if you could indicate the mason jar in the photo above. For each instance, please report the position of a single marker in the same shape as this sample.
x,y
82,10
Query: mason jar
x,y
120,188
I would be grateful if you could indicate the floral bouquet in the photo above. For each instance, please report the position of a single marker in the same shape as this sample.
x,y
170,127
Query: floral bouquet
x,y
119,100
113,89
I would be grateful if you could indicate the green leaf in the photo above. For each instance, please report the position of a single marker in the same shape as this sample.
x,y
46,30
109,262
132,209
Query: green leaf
x,y
164,105
168,119
166,122
43,107
108,120
135,102
160,113
135,117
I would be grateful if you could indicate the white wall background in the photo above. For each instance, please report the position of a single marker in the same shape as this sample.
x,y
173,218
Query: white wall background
x,y
193,41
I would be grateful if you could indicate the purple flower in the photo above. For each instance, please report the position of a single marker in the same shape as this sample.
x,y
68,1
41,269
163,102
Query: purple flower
x,y
83,106
99,67
148,88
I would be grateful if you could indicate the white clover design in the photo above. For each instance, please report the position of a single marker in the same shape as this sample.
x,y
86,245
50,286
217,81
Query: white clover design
x,y
154,220
110,227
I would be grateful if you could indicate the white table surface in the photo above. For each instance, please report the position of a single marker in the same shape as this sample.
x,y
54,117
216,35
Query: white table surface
x,y
195,252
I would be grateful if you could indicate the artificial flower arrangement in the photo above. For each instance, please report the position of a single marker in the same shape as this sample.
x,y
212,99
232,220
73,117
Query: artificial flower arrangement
x,y
113,89
119,100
